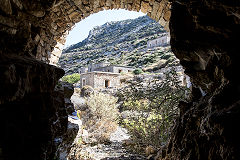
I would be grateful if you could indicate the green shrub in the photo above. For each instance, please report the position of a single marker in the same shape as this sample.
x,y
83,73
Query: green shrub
x,y
103,106
73,78
102,117
153,107
138,71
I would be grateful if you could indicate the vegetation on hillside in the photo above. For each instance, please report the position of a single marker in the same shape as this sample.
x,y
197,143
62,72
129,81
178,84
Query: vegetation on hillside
x,y
120,43
137,71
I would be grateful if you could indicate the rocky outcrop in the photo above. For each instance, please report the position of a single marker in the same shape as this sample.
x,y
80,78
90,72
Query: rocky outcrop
x,y
67,90
32,114
69,140
204,37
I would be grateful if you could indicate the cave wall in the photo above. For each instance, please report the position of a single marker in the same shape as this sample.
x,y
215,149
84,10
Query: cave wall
x,y
203,36
32,113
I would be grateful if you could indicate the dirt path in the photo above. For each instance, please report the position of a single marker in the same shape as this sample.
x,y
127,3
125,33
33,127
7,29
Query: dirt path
x,y
112,151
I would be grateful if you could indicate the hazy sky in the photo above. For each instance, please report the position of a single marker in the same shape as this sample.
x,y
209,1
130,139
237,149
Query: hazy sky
x,y
81,29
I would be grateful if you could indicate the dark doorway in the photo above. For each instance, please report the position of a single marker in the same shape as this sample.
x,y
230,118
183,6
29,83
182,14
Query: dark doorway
x,y
107,83
83,82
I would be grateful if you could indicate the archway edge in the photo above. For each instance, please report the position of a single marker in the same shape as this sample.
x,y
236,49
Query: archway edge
x,y
67,13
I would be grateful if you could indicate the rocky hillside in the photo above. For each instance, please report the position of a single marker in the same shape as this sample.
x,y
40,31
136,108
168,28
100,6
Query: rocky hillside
x,y
121,42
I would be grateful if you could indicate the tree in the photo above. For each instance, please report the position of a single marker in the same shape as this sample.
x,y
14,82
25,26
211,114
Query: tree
x,y
73,78
138,71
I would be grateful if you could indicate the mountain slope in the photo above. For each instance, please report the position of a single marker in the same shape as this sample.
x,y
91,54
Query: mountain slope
x,y
121,42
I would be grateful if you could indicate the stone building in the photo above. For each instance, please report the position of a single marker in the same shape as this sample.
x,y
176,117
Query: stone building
x,y
163,40
114,69
102,75
100,80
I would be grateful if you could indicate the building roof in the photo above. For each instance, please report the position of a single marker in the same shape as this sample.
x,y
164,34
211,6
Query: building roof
x,y
116,66
99,72
160,36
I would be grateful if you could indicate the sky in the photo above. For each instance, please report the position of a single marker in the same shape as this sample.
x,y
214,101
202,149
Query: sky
x,y
81,29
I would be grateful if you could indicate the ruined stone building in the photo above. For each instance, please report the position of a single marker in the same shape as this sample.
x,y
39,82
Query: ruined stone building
x,y
162,40
102,75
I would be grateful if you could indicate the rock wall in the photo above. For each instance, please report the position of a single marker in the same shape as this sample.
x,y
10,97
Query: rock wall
x,y
204,36
32,114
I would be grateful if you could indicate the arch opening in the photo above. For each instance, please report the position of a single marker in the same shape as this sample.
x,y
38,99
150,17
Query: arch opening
x,y
97,70
159,11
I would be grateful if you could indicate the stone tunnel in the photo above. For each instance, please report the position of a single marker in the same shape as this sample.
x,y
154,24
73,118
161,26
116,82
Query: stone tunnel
x,y
204,36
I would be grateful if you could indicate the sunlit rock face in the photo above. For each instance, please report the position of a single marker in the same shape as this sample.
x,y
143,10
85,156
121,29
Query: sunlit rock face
x,y
204,36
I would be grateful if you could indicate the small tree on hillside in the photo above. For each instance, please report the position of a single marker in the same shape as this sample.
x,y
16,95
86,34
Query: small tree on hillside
x,y
153,105
138,71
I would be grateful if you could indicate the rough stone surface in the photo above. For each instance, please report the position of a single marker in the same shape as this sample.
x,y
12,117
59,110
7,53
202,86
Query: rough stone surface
x,y
68,139
204,36
32,114
67,89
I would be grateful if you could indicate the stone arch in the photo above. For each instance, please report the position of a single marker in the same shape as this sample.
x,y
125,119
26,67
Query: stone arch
x,y
38,28
66,13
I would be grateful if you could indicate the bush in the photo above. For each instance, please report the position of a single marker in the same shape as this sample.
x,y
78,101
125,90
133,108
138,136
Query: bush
x,y
73,78
153,105
102,117
86,91
138,71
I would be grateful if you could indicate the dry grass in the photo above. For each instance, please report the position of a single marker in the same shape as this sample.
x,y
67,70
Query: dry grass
x,y
101,117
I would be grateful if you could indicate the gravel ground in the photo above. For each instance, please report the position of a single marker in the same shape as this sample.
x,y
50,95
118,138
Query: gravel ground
x,y
111,151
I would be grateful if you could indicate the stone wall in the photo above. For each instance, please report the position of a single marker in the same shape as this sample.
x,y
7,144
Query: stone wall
x,y
82,70
99,80
161,41
89,79
115,69
119,69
